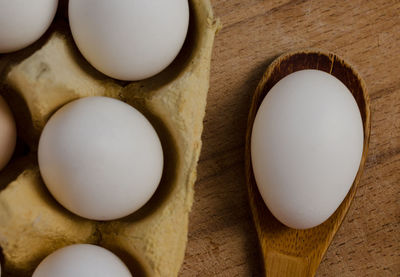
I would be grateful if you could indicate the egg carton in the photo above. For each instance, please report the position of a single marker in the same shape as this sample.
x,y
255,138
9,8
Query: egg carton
x,y
39,80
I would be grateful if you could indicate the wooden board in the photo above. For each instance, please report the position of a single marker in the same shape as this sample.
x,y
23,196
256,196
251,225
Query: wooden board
x,y
222,237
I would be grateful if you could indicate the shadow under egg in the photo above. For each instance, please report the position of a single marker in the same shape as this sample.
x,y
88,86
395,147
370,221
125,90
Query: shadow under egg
x,y
136,265
23,154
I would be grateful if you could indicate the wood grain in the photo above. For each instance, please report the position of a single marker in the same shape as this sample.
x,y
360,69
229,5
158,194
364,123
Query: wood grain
x,y
222,237
286,251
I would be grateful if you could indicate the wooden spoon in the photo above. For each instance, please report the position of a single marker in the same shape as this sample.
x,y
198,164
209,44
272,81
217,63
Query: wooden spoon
x,y
286,251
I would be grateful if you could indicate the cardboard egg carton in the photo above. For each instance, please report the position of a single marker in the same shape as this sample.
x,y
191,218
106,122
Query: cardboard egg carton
x,y
40,79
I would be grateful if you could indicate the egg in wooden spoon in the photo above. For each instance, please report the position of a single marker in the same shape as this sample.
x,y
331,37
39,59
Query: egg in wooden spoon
x,y
306,144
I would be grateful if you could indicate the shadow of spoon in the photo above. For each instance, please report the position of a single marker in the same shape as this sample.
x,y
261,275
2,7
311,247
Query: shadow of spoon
x,y
286,251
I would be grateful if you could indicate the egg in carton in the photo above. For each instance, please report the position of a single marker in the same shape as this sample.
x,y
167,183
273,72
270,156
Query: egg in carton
x,y
43,77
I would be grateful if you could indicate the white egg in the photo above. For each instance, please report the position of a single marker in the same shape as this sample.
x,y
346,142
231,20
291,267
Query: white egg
x,y
82,260
306,147
129,39
22,22
100,158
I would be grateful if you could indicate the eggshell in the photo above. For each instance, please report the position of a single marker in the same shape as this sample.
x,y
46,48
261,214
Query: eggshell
x,y
22,22
82,260
306,147
129,39
100,158
8,133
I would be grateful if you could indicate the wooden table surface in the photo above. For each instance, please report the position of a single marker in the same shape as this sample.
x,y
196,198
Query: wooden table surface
x,y
222,237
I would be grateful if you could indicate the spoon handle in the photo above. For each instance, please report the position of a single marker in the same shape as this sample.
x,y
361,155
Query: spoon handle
x,y
281,265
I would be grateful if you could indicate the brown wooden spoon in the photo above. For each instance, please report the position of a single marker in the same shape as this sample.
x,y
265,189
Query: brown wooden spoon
x,y
286,251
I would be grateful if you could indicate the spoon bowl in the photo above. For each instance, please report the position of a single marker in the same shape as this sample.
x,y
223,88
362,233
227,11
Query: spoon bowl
x,y
287,251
